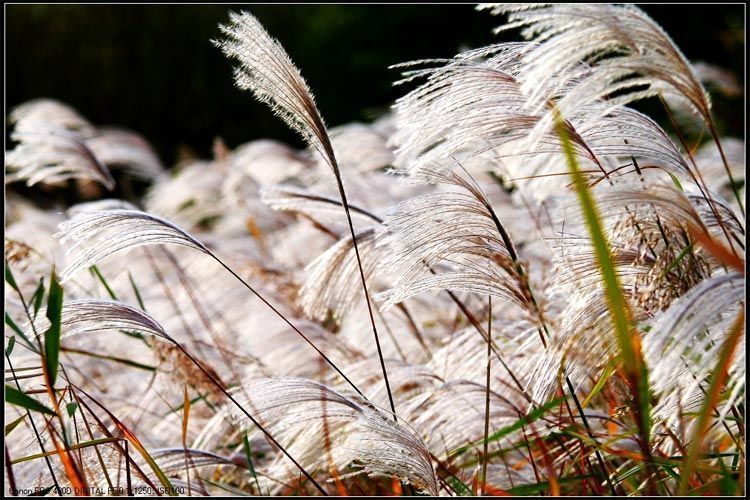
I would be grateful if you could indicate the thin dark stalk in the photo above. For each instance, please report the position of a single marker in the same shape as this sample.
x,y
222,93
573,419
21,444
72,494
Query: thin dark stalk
x,y
487,399
598,455
715,135
9,471
128,481
528,448
268,435
362,277
96,447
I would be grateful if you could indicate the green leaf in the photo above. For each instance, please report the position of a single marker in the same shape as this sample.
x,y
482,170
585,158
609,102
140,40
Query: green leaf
x,y
52,335
675,180
38,296
43,492
685,251
543,486
12,324
137,293
459,486
76,446
608,371
249,456
9,277
9,321
18,398
124,361
11,343
95,272
71,408
9,428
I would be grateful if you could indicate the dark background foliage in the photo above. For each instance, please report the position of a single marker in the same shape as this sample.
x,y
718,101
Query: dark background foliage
x,y
152,68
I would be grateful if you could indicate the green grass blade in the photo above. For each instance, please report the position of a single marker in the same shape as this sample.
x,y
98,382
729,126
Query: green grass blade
x,y
95,272
608,371
137,292
543,486
249,457
627,337
18,398
11,344
9,277
105,357
9,428
13,326
38,297
52,335
518,424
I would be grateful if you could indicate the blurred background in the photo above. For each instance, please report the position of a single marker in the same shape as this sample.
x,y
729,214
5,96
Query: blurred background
x,y
152,68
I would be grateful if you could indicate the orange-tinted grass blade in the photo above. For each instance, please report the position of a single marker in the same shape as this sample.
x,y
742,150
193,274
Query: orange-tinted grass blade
x,y
185,417
396,486
548,462
495,492
71,470
133,439
719,378
717,250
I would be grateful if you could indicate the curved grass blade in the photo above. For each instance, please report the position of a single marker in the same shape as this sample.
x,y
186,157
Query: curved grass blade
x,y
628,338
18,398
719,378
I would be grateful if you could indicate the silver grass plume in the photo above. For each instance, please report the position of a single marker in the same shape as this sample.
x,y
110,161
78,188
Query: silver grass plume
x,y
474,105
455,228
49,153
331,285
711,165
266,70
173,459
193,195
652,244
85,316
25,116
624,50
361,434
93,316
106,232
683,343
119,148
